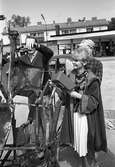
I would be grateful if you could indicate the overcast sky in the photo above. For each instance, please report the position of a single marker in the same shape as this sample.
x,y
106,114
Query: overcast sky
x,y
58,10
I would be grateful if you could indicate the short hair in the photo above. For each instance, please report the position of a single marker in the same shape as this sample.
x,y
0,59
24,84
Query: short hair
x,y
88,42
87,45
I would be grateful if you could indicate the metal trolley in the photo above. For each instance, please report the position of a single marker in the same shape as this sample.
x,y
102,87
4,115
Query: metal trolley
x,y
48,108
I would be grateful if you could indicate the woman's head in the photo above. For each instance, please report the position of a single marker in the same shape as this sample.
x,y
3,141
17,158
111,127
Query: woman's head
x,y
81,54
85,49
88,43
79,67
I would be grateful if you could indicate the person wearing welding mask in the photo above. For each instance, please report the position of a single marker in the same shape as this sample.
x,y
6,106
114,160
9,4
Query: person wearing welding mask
x,y
37,57
89,124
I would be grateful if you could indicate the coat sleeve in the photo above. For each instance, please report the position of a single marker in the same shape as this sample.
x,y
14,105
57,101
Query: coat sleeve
x,y
90,100
47,53
99,71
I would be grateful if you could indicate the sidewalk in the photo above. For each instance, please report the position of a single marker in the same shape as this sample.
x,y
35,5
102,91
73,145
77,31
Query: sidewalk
x,y
108,159
69,159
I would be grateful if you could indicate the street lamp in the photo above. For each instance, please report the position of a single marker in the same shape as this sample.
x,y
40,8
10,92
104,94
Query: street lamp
x,y
45,25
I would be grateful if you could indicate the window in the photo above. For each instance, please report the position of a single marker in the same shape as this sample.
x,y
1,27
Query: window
x,y
69,31
103,28
89,29
80,30
100,28
65,31
72,31
95,28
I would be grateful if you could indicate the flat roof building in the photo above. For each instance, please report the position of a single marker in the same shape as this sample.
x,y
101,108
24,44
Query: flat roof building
x,y
64,37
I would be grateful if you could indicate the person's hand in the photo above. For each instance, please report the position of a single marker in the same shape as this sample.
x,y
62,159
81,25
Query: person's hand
x,y
38,101
30,43
75,94
46,101
24,125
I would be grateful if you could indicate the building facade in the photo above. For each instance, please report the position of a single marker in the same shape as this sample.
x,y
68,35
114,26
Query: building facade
x,y
64,37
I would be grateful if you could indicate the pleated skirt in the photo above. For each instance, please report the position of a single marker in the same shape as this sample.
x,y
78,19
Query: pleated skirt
x,y
80,133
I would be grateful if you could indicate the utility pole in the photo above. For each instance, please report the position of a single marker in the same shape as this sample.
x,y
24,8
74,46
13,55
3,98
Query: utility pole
x,y
45,27
2,18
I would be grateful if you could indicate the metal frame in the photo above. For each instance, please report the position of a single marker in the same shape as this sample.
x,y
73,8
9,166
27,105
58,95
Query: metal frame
x,y
13,148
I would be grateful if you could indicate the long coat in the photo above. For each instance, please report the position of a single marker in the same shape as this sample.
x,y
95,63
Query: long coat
x,y
67,135
40,61
91,105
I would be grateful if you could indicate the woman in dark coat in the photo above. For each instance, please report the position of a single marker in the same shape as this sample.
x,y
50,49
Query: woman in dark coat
x,y
89,103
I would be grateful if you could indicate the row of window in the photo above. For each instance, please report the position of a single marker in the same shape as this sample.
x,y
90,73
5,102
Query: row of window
x,y
87,29
43,36
72,31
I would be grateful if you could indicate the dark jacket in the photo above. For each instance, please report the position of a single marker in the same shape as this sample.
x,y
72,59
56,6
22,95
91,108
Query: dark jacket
x,y
95,66
67,135
91,105
41,59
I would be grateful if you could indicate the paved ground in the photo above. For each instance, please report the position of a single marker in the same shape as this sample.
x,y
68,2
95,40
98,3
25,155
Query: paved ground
x,y
69,159
108,83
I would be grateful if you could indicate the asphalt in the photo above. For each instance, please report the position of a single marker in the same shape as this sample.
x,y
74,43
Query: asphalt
x,y
68,158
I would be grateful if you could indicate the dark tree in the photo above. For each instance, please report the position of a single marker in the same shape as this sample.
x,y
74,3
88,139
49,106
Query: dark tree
x,y
21,21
